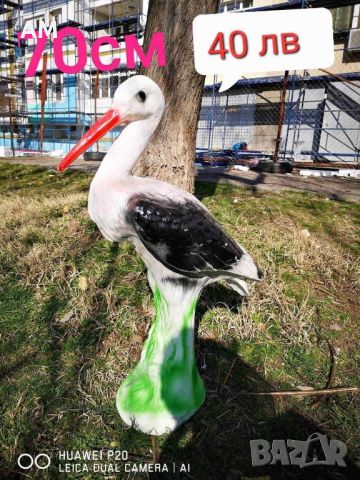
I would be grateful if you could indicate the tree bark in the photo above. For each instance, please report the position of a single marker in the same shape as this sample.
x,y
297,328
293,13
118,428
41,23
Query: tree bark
x,y
170,154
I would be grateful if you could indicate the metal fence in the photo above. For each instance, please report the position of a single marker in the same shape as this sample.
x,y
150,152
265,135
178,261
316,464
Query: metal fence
x,y
321,120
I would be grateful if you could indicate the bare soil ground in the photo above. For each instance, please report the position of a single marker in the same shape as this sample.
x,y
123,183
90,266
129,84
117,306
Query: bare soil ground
x,y
334,188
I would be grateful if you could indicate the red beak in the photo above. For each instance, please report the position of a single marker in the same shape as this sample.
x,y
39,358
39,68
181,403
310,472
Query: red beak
x,y
98,130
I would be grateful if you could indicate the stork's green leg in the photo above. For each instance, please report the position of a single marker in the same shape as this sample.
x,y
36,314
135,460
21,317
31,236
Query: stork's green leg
x,y
165,388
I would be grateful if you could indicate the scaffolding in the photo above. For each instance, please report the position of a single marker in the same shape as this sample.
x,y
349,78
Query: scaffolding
x,y
12,98
321,117
50,111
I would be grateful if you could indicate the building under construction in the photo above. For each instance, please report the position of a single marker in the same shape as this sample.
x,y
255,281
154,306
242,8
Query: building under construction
x,y
303,115
49,111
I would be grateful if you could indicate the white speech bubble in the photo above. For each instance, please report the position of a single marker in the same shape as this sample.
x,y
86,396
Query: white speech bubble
x,y
278,30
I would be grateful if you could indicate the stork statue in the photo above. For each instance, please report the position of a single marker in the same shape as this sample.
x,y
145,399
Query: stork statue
x,y
183,247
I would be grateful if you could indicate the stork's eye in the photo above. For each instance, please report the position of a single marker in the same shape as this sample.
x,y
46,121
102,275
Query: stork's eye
x,y
141,96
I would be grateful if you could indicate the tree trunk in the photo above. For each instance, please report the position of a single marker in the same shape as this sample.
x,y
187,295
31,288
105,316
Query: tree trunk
x,y
171,152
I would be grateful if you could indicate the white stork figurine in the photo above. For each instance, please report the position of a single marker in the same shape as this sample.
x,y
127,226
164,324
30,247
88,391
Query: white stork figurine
x,y
183,247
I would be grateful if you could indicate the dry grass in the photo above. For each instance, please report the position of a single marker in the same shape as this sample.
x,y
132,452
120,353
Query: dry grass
x,y
86,308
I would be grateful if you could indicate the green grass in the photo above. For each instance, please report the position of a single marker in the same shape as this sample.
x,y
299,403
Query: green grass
x,y
75,310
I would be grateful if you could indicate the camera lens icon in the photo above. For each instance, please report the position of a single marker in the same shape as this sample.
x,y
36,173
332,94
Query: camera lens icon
x,y
27,461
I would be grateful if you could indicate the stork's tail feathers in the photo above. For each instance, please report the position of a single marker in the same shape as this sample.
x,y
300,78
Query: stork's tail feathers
x,y
244,269
240,286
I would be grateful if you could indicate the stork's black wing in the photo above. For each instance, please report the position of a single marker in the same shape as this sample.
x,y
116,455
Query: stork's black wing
x,y
183,236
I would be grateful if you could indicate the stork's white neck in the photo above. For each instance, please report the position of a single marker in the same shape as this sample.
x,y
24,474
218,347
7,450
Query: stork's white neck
x,y
127,148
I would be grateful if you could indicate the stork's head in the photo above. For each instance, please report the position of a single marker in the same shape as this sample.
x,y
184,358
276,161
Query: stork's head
x,y
138,98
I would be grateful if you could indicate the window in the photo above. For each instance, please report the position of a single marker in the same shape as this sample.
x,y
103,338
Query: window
x,y
94,87
54,87
56,15
39,87
4,87
119,33
57,86
227,6
114,83
356,16
36,23
104,87
29,85
107,84
342,18
74,134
